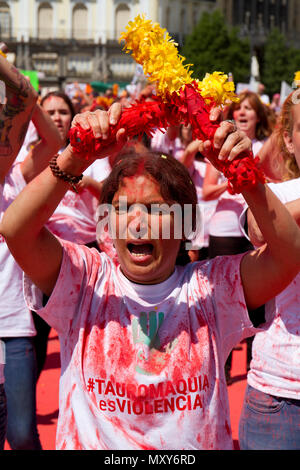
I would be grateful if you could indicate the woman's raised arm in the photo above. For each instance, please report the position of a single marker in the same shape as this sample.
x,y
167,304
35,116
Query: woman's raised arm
x,y
255,235
269,269
15,115
265,272
50,142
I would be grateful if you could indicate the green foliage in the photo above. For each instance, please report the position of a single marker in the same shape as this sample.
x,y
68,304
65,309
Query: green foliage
x,y
212,46
280,62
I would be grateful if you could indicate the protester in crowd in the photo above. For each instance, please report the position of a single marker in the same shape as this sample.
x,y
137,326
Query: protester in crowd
x,y
270,418
191,158
16,324
225,235
185,137
148,326
251,117
275,104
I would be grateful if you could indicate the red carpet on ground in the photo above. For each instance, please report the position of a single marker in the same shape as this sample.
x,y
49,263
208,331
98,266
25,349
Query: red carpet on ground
x,y
47,393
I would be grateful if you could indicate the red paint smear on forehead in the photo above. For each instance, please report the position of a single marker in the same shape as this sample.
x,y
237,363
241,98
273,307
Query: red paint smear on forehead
x,y
50,99
141,168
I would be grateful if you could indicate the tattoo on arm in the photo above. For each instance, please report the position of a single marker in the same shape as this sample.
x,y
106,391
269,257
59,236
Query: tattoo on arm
x,y
18,90
16,82
5,147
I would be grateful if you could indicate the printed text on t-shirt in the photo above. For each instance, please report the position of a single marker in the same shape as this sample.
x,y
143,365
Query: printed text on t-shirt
x,y
164,397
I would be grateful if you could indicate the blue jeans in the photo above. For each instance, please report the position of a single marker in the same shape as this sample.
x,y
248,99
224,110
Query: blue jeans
x,y
20,388
268,422
3,416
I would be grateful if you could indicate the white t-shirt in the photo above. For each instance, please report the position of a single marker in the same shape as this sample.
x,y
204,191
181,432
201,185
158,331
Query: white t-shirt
x,y
75,217
275,365
225,220
197,172
31,138
143,367
15,318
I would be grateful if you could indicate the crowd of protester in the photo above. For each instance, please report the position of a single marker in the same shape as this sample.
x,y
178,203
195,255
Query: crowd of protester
x,y
228,228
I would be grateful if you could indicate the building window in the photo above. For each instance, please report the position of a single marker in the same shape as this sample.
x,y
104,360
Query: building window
x,y
80,65
45,21
46,62
79,24
260,15
5,21
121,19
122,67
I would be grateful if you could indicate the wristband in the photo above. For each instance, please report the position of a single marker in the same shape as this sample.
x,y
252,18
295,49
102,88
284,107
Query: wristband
x,y
58,173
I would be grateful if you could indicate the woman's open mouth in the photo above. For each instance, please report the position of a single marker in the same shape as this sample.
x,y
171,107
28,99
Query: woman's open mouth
x,y
140,251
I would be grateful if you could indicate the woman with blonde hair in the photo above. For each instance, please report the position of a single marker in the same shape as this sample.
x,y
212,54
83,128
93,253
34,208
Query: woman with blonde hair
x,y
283,134
270,418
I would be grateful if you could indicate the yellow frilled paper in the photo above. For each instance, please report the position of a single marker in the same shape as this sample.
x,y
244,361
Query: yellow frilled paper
x,y
153,48
297,78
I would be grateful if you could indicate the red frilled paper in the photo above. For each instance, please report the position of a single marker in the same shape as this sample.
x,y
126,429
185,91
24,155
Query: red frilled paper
x,y
185,107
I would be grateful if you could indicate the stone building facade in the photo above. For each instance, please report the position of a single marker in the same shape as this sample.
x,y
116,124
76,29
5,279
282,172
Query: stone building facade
x,y
70,40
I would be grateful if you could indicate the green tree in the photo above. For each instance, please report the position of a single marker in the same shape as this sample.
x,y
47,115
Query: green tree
x,y
275,62
212,46
280,62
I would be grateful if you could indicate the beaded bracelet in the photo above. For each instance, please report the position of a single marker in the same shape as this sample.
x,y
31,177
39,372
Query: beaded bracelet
x,y
58,173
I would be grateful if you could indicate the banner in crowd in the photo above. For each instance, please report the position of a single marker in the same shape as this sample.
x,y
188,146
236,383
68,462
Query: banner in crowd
x,y
33,77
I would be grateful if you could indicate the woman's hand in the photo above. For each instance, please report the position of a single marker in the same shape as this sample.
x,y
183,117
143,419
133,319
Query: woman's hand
x,y
228,140
99,122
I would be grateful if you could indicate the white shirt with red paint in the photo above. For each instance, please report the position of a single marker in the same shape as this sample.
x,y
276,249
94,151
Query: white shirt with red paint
x,y
142,366
275,366
197,172
15,318
75,217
